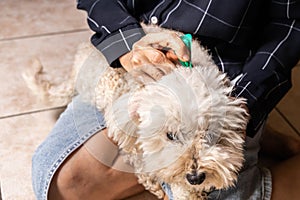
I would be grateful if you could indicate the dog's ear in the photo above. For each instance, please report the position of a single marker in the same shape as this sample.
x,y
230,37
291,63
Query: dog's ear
x,y
133,110
122,120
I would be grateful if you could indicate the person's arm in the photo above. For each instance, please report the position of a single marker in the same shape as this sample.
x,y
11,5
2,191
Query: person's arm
x,y
120,38
116,30
267,77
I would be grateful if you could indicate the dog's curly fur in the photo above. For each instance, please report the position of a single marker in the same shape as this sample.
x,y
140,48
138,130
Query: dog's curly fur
x,y
185,124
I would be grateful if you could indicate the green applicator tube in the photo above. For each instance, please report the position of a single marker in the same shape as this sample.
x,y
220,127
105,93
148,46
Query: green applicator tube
x,y
187,40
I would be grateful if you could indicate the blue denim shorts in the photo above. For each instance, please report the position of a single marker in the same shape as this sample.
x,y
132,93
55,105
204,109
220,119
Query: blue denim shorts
x,y
80,121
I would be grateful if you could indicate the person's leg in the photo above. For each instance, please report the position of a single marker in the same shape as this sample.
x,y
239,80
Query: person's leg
x,y
257,182
286,170
77,161
84,176
279,146
286,179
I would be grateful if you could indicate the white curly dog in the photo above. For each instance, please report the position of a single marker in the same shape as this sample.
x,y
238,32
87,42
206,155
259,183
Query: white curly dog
x,y
184,129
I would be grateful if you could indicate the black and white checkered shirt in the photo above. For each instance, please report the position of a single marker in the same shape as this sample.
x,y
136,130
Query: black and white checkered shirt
x,y
255,41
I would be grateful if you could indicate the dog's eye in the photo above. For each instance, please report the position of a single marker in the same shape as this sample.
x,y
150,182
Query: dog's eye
x,y
171,136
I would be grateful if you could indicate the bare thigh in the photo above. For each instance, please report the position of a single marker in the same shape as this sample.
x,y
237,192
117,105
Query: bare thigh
x,y
83,176
286,173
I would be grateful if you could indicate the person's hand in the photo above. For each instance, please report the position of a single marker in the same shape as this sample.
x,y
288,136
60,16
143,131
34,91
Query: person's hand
x,y
154,56
166,197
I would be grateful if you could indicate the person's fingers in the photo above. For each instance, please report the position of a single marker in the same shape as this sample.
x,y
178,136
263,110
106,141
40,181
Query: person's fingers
x,y
147,64
137,58
149,72
160,60
152,71
172,56
141,76
126,61
152,57
165,41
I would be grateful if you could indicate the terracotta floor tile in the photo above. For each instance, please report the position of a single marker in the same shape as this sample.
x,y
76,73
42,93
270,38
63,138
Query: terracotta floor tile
x,y
278,123
290,104
35,17
56,54
20,136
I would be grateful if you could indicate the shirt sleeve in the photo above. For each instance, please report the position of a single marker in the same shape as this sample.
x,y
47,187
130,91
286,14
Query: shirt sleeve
x,y
116,30
267,76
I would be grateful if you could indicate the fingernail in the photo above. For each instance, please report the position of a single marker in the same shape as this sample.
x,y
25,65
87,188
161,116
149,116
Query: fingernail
x,y
186,57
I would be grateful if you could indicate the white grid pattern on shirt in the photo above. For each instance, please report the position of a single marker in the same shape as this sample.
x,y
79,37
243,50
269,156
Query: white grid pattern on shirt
x,y
277,86
210,15
220,59
242,21
168,15
92,7
121,40
279,44
93,21
156,7
204,15
268,53
245,89
124,39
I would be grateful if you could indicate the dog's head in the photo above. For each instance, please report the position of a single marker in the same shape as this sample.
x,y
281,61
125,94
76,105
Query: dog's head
x,y
189,130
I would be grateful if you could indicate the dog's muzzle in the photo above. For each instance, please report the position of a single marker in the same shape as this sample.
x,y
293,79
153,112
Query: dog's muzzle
x,y
195,179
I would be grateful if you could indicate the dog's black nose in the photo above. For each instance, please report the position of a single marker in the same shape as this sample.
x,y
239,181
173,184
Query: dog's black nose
x,y
195,178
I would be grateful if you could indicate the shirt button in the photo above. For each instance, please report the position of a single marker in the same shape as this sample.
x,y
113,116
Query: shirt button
x,y
154,20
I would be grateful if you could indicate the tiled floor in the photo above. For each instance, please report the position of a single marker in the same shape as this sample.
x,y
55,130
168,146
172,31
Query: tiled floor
x,y
51,31
34,29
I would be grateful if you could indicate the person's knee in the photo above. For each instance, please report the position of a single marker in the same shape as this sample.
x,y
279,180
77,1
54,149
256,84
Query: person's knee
x,y
296,147
79,174
286,179
82,176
